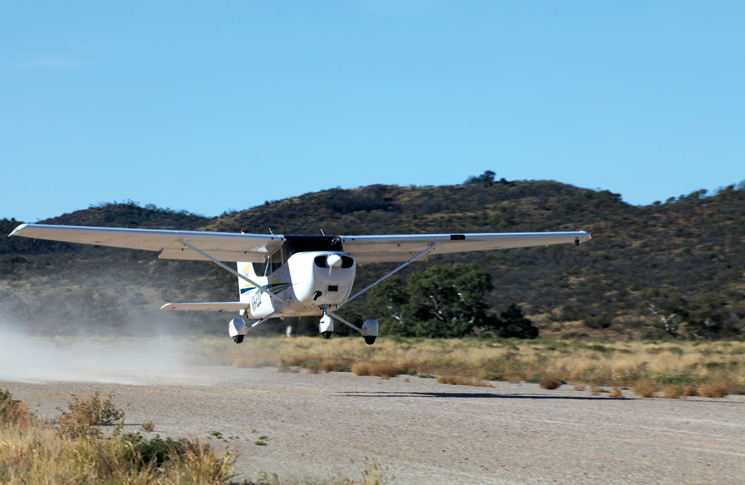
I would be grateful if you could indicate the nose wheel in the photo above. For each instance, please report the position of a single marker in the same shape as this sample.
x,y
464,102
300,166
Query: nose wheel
x,y
326,334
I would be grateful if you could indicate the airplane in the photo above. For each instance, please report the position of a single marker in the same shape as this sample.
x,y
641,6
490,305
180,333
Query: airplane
x,y
302,275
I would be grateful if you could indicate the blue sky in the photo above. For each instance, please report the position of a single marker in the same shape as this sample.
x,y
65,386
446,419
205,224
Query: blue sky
x,y
213,106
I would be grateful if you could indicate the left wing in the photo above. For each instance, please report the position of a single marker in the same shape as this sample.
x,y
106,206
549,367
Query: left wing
x,y
223,246
215,306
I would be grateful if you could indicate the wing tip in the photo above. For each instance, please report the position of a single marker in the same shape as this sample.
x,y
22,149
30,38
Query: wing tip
x,y
19,228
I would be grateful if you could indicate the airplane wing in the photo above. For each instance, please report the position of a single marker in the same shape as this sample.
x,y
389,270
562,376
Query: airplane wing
x,y
226,246
223,246
215,306
379,249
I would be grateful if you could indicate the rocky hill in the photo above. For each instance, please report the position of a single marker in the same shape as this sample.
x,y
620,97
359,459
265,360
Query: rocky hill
x,y
682,260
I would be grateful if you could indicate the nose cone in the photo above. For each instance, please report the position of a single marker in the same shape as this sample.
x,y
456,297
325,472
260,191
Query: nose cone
x,y
334,261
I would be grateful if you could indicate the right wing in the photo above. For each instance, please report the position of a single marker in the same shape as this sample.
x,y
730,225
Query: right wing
x,y
402,247
215,306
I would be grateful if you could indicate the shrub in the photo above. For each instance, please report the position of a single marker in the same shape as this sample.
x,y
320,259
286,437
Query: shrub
x,y
690,391
13,411
712,390
550,383
84,413
148,426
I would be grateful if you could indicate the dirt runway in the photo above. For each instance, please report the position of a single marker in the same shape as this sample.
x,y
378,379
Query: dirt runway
x,y
335,425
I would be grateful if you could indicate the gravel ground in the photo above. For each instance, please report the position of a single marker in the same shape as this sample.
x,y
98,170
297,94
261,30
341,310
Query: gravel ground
x,y
336,425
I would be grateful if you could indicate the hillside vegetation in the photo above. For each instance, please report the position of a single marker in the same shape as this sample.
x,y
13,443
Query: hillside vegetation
x,y
672,269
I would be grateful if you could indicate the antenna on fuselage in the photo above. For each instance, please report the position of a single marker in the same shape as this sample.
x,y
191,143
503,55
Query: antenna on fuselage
x,y
323,232
270,231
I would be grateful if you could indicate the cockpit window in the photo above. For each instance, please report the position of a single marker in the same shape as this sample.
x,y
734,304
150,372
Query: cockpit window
x,y
276,260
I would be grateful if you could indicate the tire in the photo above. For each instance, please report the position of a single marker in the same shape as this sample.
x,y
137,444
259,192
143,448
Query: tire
x,y
238,339
326,334
370,340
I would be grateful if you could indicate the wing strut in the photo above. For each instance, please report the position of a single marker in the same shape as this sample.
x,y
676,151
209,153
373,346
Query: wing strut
x,y
344,321
262,320
389,274
243,277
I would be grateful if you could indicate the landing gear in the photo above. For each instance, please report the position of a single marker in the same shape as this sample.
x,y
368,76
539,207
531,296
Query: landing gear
x,y
237,329
370,331
326,326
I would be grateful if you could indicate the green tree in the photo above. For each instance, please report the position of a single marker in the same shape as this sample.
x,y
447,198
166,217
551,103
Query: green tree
x,y
386,302
486,178
513,324
447,301
702,316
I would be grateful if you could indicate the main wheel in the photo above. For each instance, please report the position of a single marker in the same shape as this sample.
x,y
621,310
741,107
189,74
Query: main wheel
x,y
326,334
370,340
238,339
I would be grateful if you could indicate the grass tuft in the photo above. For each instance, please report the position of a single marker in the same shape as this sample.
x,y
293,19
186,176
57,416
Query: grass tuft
x,y
550,383
463,381
673,391
712,390
645,389
690,391
380,369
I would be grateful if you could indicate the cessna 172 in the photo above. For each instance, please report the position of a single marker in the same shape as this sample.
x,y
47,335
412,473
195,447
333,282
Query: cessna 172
x,y
302,275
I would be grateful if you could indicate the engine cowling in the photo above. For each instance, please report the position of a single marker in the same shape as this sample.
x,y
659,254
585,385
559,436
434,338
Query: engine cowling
x,y
322,278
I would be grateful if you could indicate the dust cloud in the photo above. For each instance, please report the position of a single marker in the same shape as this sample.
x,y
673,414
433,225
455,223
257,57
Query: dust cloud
x,y
76,359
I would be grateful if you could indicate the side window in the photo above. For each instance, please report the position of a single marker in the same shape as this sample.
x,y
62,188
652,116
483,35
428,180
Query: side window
x,y
275,261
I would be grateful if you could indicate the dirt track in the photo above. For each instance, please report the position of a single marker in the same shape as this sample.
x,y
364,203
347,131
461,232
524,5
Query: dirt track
x,y
327,425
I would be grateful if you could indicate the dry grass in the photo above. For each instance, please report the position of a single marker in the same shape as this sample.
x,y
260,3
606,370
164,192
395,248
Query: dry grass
x,y
335,365
673,391
380,369
608,364
550,383
712,390
463,381
579,387
13,412
690,391
616,393
40,453
645,389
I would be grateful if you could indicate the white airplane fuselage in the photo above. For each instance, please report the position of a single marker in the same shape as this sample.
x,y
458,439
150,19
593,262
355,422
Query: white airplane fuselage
x,y
309,281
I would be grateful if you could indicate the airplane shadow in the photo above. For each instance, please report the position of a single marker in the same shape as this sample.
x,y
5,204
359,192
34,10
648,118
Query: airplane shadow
x,y
486,395
480,395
